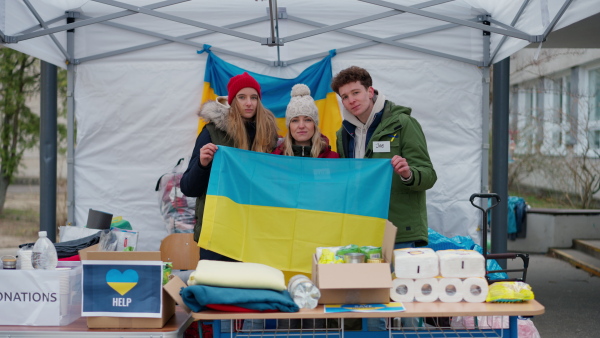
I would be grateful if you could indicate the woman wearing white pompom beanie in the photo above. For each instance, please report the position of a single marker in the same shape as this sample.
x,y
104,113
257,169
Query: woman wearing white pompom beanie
x,y
304,138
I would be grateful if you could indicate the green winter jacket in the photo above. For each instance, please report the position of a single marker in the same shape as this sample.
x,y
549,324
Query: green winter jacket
x,y
408,211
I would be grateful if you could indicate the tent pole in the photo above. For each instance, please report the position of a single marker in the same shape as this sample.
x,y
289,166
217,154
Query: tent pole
x,y
485,120
514,22
485,131
45,26
501,88
48,147
71,126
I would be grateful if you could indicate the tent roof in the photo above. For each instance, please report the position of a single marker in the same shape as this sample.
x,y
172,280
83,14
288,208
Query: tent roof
x,y
581,34
244,28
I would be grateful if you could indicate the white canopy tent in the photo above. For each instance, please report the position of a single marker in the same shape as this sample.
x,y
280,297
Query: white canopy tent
x,y
136,79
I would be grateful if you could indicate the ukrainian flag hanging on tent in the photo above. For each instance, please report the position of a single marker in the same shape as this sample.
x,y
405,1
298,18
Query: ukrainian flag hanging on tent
x,y
277,210
276,91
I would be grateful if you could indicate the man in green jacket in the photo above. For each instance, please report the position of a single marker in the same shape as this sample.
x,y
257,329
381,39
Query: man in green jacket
x,y
374,127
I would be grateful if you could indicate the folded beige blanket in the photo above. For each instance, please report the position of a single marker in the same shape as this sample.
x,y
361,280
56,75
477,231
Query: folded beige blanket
x,y
237,275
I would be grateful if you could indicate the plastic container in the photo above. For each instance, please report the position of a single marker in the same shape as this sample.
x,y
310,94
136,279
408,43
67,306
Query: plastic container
x,y
24,257
304,292
44,254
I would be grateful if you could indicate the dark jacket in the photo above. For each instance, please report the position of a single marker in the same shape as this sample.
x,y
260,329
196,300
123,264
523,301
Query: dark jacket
x,y
194,182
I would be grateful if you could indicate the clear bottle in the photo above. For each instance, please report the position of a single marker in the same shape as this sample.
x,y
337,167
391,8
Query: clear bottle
x,y
44,254
304,292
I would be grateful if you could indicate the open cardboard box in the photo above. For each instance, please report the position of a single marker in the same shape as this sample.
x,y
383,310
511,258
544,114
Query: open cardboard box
x,y
362,283
168,303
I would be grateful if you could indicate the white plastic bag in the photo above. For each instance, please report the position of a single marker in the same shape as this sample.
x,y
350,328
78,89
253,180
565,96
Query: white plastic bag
x,y
177,210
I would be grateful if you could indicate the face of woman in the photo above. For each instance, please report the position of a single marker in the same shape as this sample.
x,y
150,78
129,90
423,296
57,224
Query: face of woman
x,y
302,129
247,101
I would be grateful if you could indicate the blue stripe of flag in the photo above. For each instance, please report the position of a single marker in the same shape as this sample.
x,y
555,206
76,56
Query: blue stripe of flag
x,y
348,186
275,91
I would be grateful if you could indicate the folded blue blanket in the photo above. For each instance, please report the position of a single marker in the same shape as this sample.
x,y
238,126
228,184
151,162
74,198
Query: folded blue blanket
x,y
196,297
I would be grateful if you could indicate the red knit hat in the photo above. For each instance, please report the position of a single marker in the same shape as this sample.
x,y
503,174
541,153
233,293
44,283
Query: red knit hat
x,y
240,82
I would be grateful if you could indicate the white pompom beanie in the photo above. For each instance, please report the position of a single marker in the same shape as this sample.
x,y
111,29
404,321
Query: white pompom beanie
x,y
301,104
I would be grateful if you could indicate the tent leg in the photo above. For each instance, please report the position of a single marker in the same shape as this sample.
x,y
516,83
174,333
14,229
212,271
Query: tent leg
x,y
501,88
48,149
485,121
71,127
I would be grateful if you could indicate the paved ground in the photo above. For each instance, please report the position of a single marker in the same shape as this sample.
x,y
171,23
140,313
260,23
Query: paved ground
x,y
571,297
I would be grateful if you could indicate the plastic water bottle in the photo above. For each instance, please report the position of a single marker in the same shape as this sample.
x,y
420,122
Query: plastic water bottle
x,y
304,293
44,254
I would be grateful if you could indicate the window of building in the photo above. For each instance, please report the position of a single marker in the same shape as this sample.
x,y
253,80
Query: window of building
x,y
559,107
527,125
557,101
595,139
594,91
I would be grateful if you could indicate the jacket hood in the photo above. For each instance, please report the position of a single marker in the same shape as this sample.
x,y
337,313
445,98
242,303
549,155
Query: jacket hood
x,y
216,112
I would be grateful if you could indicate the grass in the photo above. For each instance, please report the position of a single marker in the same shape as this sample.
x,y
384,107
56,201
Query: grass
x,y
540,201
20,223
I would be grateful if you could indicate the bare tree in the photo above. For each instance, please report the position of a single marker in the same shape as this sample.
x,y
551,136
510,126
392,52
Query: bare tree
x,y
557,139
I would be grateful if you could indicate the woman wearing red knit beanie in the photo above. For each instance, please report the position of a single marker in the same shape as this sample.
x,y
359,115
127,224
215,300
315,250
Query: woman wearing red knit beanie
x,y
238,120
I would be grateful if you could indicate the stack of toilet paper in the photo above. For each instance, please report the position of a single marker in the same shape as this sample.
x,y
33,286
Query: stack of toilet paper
x,y
424,275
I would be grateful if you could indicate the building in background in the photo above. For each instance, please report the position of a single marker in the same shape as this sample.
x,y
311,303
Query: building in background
x,y
555,120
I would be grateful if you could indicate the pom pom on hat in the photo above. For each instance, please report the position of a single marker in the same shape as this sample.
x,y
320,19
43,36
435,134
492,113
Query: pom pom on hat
x,y
301,104
300,90
240,82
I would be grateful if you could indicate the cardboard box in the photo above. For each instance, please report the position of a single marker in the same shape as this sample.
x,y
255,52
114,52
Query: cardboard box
x,y
361,283
41,297
107,322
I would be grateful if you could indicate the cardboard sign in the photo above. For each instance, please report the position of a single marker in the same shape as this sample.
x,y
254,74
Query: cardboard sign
x,y
41,297
122,288
30,297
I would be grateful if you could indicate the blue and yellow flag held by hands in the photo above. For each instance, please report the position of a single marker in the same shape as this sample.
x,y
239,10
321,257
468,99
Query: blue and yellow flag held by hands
x,y
276,210
276,91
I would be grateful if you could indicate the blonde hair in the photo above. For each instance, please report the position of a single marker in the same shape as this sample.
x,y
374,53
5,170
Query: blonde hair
x,y
266,129
317,143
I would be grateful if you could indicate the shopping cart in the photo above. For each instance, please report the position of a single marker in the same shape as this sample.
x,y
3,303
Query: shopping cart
x,y
495,200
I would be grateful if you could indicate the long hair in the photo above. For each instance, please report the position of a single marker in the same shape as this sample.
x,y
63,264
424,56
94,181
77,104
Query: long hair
x,y
316,141
266,129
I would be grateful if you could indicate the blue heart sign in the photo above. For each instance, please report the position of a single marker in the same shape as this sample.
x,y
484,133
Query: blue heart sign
x,y
122,288
122,282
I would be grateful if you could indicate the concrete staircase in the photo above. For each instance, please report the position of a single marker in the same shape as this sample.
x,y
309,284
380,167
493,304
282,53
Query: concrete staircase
x,y
585,255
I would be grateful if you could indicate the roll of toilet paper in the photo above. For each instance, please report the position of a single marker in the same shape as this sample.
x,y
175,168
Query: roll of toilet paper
x,y
426,290
461,263
451,290
403,290
416,263
475,289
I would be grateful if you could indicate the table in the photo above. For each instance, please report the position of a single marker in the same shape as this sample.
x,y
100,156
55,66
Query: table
x,y
173,329
435,309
